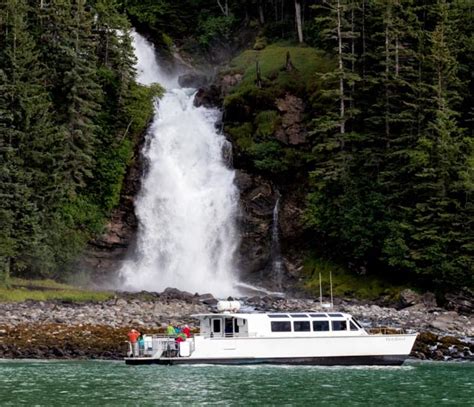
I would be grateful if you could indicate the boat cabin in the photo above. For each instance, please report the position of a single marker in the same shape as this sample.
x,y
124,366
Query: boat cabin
x,y
235,325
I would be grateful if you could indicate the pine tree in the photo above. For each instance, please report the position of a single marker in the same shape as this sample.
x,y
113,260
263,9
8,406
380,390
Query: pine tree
x,y
25,129
69,52
442,229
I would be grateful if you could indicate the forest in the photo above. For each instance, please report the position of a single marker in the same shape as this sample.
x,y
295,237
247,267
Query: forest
x,y
387,171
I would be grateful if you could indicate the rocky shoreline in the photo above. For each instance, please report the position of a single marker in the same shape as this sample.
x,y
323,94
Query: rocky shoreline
x,y
61,330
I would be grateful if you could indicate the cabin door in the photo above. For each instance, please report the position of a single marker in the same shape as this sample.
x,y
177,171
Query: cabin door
x,y
216,327
229,327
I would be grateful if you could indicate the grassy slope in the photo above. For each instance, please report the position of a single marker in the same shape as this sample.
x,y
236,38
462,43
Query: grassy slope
x,y
307,61
345,283
44,290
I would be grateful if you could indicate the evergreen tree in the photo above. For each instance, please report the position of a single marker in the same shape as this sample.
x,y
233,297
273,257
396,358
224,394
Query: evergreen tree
x,y
441,231
69,52
25,138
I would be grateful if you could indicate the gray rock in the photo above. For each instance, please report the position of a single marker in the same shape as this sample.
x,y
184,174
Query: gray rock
x,y
193,80
409,297
446,321
462,302
208,299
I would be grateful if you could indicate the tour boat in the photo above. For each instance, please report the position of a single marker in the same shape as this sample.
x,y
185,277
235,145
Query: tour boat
x,y
302,338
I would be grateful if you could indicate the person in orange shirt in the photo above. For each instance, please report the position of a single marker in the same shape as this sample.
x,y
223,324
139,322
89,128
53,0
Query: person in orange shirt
x,y
133,336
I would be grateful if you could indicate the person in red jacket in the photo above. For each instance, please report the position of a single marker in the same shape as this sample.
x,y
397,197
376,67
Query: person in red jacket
x,y
187,331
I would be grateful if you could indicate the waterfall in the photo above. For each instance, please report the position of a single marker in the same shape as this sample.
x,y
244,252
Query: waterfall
x,y
188,202
277,261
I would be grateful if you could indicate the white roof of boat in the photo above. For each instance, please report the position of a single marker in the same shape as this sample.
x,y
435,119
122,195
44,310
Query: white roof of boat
x,y
276,315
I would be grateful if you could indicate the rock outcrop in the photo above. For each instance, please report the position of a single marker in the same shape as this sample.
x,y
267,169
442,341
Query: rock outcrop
x,y
193,80
292,129
104,255
257,200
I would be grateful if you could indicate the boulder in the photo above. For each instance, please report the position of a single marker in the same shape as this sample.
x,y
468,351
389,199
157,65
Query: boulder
x,y
409,297
428,299
462,302
193,80
208,97
447,321
207,299
175,294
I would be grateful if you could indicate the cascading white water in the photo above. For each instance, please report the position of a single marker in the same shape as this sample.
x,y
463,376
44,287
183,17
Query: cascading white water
x,y
277,262
188,202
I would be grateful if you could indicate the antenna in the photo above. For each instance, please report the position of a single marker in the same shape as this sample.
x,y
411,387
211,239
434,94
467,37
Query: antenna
x,y
320,291
330,283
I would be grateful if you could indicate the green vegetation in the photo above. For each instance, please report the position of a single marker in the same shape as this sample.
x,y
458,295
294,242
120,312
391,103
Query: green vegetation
x,y
48,290
393,144
307,62
387,164
252,118
345,283
70,118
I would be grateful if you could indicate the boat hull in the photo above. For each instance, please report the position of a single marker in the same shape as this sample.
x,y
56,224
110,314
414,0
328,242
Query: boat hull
x,y
378,360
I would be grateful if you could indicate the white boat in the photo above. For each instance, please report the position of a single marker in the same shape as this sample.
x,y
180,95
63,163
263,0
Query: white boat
x,y
306,338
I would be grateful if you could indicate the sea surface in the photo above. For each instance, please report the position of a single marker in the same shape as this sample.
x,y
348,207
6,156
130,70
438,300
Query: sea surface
x,y
105,383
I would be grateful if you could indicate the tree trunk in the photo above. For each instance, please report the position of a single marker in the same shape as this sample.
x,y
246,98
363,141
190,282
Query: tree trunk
x,y
299,24
397,58
341,69
289,65
363,40
353,57
261,14
387,73
224,8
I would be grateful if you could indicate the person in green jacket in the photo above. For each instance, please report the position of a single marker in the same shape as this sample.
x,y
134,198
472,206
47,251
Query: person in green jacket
x,y
170,330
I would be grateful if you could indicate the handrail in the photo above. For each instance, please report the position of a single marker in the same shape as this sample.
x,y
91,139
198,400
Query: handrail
x,y
383,330
228,335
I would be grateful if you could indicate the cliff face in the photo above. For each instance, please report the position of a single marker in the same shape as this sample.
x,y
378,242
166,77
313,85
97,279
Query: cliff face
x,y
104,255
258,197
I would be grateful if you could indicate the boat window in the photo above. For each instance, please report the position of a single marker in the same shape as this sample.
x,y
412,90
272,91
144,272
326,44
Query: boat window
x,y
320,326
335,315
318,315
301,326
278,316
216,325
353,326
281,326
299,315
339,325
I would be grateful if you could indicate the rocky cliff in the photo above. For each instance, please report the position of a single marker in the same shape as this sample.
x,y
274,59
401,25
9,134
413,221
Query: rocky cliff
x,y
104,255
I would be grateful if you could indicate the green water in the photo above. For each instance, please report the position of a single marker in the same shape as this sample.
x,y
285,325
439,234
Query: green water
x,y
101,383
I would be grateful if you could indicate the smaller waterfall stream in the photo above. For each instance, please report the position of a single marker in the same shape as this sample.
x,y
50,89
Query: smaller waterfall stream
x,y
277,261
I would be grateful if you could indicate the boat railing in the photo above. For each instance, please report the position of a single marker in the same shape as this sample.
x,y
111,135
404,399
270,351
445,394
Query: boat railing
x,y
229,335
158,343
384,330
